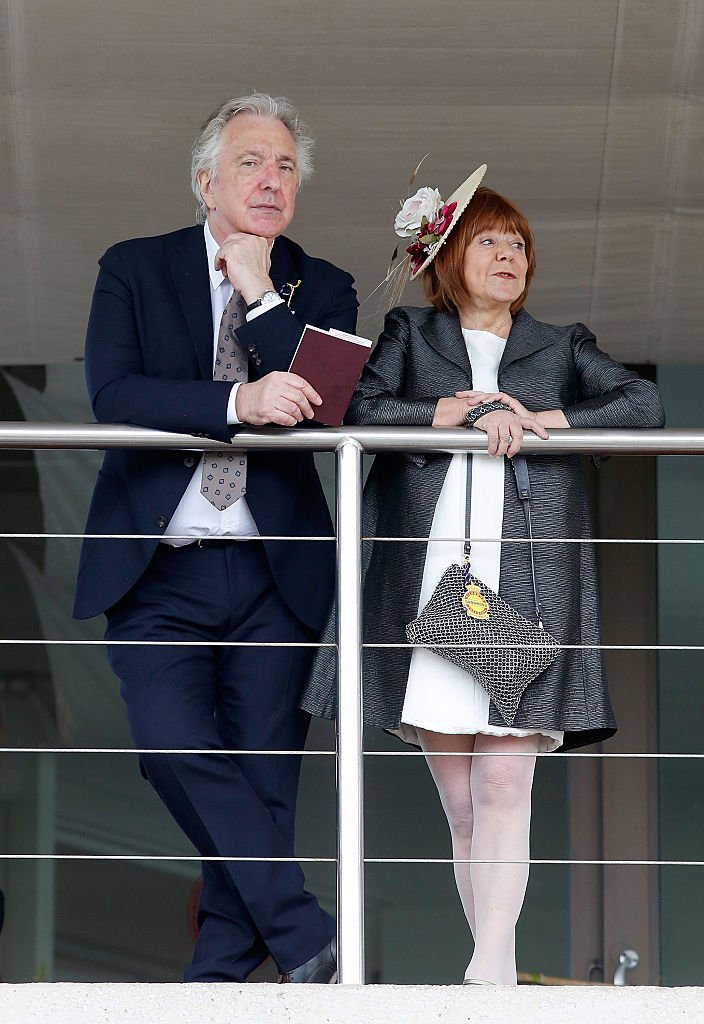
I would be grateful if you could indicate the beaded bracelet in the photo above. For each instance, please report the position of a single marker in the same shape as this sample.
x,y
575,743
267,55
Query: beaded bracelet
x,y
481,410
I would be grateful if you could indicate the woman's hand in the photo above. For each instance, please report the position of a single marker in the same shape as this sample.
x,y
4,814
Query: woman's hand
x,y
545,418
500,396
451,412
504,430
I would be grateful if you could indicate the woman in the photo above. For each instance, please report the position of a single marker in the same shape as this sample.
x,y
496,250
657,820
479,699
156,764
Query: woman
x,y
476,356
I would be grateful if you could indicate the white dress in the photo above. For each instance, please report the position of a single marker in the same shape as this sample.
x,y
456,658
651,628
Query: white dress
x,y
440,696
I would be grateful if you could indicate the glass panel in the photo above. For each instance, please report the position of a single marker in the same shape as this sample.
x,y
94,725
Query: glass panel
x,y
681,686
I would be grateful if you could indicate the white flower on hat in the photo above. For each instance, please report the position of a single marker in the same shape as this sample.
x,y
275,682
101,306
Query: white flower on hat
x,y
425,203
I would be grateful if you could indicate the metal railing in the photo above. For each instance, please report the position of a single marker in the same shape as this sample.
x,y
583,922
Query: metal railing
x,y
350,444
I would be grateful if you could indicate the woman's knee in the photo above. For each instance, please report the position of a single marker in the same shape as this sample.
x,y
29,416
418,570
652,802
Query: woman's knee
x,y
455,793
502,783
460,818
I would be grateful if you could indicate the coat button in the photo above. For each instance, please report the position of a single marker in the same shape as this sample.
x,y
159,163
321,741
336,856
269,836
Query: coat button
x,y
251,348
161,522
189,461
257,361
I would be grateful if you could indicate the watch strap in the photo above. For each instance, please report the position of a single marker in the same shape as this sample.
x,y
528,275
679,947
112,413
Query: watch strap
x,y
267,298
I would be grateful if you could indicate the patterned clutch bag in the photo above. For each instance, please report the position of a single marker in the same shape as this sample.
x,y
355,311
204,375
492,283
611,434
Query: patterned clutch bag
x,y
467,623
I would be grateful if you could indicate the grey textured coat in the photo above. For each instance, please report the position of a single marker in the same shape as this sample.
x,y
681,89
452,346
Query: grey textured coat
x,y
421,357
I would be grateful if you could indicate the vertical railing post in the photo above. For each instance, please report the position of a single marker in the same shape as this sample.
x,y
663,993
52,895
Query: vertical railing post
x,y
350,760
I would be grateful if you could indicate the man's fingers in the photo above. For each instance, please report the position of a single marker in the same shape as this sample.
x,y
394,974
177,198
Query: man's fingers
x,y
290,400
281,398
298,398
290,406
308,390
287,404
282,419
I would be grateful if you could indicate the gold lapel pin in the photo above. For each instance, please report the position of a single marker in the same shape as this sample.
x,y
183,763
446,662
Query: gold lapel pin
x,y
288,290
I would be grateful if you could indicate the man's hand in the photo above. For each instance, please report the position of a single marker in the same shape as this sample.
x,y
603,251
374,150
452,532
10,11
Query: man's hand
x,y
281,398
504,431
245,260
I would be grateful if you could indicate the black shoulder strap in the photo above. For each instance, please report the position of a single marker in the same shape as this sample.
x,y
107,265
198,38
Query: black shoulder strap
x,y
519,464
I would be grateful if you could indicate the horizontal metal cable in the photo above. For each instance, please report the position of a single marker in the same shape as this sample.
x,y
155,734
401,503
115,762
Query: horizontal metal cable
x,y
162,643
537,860
264,644
333,753
165,857
370,540
528,647
161,750
155,536
542,753
537,540
333,860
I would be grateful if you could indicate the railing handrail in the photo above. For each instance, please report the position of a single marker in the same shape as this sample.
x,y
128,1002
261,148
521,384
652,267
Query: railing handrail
x,y
592,441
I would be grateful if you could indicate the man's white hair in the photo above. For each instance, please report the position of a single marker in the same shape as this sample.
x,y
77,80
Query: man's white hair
x,y
207,147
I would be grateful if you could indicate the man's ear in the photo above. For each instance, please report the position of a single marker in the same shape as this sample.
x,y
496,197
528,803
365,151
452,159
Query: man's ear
x,y
205,185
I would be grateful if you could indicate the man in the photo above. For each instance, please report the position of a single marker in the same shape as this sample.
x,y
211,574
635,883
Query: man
x,y
189,332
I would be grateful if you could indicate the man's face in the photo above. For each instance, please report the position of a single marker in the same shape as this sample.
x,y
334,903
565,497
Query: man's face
x,y
255,190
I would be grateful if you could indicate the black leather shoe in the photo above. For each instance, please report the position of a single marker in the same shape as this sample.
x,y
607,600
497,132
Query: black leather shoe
x,y
321,969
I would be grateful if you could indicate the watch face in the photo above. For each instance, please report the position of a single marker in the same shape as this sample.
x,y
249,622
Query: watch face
x,y
269,297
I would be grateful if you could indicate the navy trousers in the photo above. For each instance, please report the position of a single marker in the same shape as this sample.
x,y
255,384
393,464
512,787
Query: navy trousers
x,y
216,698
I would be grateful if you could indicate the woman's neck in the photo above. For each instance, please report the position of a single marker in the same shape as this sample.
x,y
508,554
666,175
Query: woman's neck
x,y
494,319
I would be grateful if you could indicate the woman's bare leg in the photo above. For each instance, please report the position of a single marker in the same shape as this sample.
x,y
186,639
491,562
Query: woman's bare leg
x,y
452,778
501,791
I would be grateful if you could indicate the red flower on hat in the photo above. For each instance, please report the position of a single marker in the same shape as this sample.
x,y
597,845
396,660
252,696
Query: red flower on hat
x,y
418,252
443,219
429,235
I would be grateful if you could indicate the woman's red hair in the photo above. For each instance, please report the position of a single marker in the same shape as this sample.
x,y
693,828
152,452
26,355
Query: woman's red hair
x,y
444,281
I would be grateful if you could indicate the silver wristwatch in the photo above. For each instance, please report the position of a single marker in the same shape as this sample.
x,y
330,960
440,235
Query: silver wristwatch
x,y
268,298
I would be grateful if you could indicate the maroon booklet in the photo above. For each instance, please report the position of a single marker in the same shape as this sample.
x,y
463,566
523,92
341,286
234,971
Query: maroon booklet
x,y
332,362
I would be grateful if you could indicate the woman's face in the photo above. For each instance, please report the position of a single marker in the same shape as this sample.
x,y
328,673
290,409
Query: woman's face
x,y
495,267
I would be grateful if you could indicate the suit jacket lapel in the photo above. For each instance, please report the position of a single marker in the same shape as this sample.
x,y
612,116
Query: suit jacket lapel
x,y
189,270
525,337
282,267
444,333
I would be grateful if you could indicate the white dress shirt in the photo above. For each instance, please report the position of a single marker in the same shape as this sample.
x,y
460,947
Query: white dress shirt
x,y
194,516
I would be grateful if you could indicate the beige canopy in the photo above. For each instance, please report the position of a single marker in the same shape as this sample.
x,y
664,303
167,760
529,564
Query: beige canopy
x,y
588,114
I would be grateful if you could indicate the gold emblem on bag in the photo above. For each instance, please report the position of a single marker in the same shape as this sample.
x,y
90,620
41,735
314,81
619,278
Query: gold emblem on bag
x,y
475,603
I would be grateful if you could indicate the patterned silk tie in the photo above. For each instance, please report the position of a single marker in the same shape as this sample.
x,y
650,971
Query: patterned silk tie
x,y
224,477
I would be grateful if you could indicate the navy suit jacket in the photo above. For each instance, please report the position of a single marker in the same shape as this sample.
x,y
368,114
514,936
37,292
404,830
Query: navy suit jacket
x,y
149,359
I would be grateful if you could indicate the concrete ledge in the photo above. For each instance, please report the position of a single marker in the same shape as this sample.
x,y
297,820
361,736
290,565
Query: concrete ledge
x,y
372,1004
